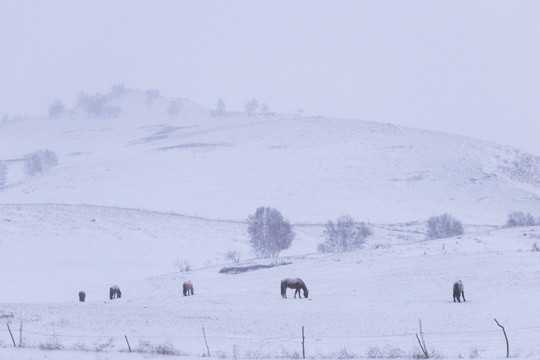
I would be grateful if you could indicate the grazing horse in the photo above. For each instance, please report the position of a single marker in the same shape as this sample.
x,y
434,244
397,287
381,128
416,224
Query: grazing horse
x,y
296,284
459,291
187,288
82,296
114,292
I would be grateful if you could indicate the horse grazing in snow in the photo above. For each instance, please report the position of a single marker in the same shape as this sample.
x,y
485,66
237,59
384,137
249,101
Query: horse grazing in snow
x,y
187,288
459,291
296,284
82,296
114,292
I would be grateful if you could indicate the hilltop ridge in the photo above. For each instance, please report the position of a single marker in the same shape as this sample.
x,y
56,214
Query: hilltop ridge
x,y
311,168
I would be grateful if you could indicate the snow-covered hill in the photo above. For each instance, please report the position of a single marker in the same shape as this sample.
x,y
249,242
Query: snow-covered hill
x,y
311,169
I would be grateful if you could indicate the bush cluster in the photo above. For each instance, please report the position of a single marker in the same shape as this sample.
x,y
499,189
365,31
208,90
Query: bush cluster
x,y
519,218
443,226
344,235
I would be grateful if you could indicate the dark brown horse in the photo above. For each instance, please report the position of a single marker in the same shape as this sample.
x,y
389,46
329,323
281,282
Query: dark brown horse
x,y
114,292
296,284
187,288
82,296
459,291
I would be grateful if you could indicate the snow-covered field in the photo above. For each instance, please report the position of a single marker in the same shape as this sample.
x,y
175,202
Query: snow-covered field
x,y
134,196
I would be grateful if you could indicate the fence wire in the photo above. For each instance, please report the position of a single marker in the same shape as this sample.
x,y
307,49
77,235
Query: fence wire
x,y
240,346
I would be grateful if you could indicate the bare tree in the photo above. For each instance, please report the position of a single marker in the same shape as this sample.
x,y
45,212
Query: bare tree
x,y
443,226
97,105
56,108
519,218
270,233
39,162
220,108
251,106
344,235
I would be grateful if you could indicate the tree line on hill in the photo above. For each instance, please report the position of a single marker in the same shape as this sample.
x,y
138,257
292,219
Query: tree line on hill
x,y
98,105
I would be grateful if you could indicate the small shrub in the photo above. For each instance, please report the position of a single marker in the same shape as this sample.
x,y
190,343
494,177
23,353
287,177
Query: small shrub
x,y
374,353
286,354
51,343
219,354
345,354
80,347
535,247
100,346
165,349
474,353
183,265
443,226
386,353
234,256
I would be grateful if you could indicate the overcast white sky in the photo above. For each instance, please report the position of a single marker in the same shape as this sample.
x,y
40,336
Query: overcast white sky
x,y
465,67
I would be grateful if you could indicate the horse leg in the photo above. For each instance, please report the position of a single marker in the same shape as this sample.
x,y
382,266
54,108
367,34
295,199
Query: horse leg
x,y
463,294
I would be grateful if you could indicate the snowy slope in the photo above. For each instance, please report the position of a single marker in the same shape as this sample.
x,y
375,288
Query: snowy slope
x,y
311,169
359,302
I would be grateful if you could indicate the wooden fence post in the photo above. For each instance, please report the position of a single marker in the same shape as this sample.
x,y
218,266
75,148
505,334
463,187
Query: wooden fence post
x,y
423,342
129,347
303,342
506,338
206,343
10,333
20,335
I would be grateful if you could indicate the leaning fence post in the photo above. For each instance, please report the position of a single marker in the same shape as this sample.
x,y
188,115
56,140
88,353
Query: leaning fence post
x,y
10,333
206,343
303,342
506,338
423,342
129,347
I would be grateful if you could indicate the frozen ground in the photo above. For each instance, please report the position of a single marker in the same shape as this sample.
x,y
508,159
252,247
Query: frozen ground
x,y
134,196
360,303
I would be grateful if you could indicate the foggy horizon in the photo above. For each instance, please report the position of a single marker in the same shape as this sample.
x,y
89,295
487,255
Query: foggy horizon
x,y
461,68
